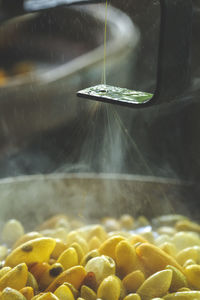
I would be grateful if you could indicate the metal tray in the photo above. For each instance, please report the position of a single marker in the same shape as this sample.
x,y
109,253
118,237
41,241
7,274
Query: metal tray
x,y
89,197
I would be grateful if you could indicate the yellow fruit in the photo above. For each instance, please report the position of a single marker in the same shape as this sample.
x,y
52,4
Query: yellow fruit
x,y
125,258
79,251
99,232
38,269
37,250
109,288
94,243
166,230
49,275
189,295
127,222
64,293
88,256
134,239
185,254
183,289
4,270
74,291
189,262
27,237
11,294
102,266
178,279
52,222
87,293
186,225
68,258
108,247
48,296
60,247
183,240
132,297
16,278
168,248
192,274
57,233
37,296
31,281
111,224
74,275
75,237
27,292
154,258
3,252
156,285
12,230
133,281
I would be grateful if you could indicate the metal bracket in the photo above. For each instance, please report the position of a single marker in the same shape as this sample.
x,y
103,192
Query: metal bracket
x,y
174,58
173,68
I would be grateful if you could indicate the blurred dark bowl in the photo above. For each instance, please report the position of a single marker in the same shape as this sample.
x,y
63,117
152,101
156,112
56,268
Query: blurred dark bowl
x,y
65,48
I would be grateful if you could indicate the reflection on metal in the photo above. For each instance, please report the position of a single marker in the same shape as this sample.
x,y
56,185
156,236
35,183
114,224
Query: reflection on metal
x,y
35,5
10,9
111,94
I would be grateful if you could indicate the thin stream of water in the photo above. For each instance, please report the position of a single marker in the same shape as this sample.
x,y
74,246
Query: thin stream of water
x,y
105,38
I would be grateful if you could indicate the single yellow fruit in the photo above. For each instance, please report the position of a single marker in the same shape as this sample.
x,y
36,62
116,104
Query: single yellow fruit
x,y
16,278
4,270
185,254
133,281
132,297
109,288
28,292
74,291
11,294
48,296
74,275
60,247
64,293
94,243
125,258
87,293
108,247
79,251
189,295
154,258
37,250
32,282
156,285
27,237
178,279
192,274
68,258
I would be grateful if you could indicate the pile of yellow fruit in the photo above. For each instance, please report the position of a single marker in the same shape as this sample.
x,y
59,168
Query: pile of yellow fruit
x,y
117,259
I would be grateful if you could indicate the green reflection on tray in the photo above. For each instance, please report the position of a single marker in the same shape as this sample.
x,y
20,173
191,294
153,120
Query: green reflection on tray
x,y
116,93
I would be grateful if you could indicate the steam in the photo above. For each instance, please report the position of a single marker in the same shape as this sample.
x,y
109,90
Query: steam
x,y
108,146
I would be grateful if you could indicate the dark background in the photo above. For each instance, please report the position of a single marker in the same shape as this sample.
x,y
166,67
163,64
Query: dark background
x,y
161,141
